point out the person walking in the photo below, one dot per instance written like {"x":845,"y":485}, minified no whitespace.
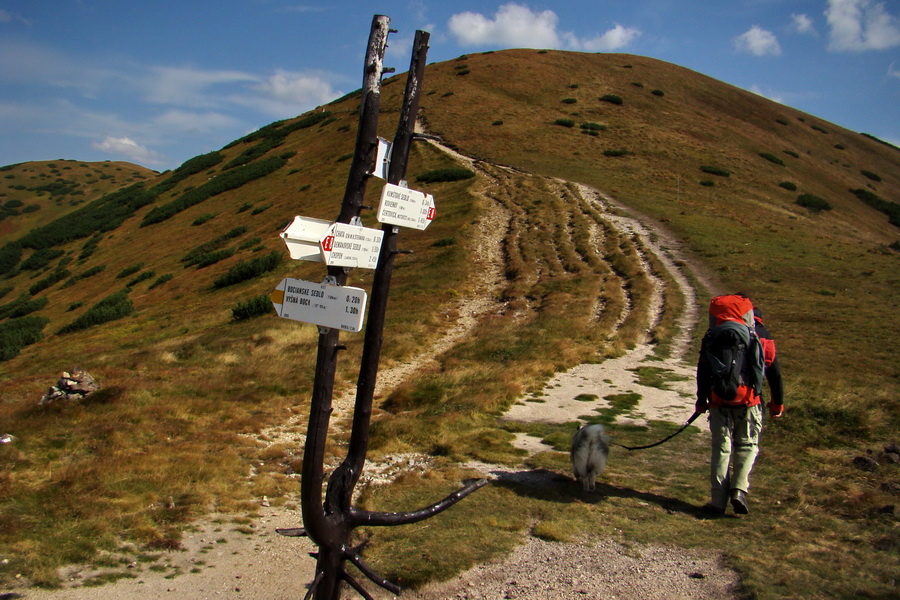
{"x":736,"y":355}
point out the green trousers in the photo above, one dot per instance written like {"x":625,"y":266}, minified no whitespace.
{"x":735,"y":443}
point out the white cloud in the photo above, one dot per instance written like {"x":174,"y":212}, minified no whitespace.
{"x":615,"y":38}
{"x":186,"y":86}
{"x":516,"y":25}
{"x":758,"y":41}
{"x":802,"y":24}
{"x":859,"y":25}
{"x":892,"y":72}
{"x":123,"y":146}
{"x":181,"y":121}
{"x":770,"y":94}
{"x":286,"y":94}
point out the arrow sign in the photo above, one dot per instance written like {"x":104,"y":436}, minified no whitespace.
{"x":322,"y":304}
{"x":351,"y":246}
{"x":303,"y":236}
{"x":405,"y":207}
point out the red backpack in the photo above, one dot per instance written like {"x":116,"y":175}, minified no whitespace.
{"x":733,"y":351}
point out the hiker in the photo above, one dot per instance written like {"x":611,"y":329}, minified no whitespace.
{"x":736,"y":354}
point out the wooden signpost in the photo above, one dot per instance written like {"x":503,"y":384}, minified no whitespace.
{"x":334,"y":307}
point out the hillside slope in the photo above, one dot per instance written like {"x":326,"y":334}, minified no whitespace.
{"x":189,"y":392}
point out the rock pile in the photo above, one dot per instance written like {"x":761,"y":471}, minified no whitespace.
{"x":71,"y":387}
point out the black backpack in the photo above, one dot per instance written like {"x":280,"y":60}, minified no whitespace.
{"x":735,"y":357}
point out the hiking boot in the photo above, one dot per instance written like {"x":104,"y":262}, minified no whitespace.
{"x":739,"y":502}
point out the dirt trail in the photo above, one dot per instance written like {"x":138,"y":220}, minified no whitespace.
{"x":251,"y":562}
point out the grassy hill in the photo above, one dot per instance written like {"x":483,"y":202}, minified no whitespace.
{"x":184,"y":381}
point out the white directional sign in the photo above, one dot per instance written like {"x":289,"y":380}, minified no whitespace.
{"x":351,"y":246}
{"x":335,"y":244}
{"x":303,"y":237}
{"x":322,"y":304}
{"x":405,"y":207}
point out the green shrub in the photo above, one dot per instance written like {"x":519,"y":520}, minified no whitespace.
{"x":84,"y":275}
{"x":194,"y":255}
{"x":569,"y":100}
{"x":211,"y":258}
{"x":41,"y":258}
{"x":90,"y":247}
{"x":615,"y":152}
{"x":891,"y":209}
{"x":792,"y":153}
{"x":255,"y":241}
{"x":564,"y":122}
{"x":253,"y":307}
{"x":103,"y":214}
{"x":223,"y":182}
{"x":161,"y":280}
{"x":659,"y":93}
{"x":593,"y":126}
{"x":772,"y":158}
{"x":203,"y":219}
{"x":447,"y":174}
{"x":245,"y":270}
{"x":782,"y":121}
{"x":612,"y":99}
{"x":18,"y":333}
{"x":112,"y":307}
{"x":10,"y":255}
{"x":497,"y":122}
{"x":195,"y":165}
{"x":141,"y":277}
{"x":22,"y":306}
{"x":814,"y":203}
{"x":130,"y":270}
{"x":54,"y":277}
{"x":789,"y":185}
{"x":463,"y":72}
{"x":716,"y":171}
{"x":871,"y":175}
{"x":707,"y":183}
{"x":819,"y":129}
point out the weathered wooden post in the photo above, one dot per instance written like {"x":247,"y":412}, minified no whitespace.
{"x":329,"y":523}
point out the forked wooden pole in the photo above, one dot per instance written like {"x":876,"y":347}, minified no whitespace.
{"x":330,"y":523}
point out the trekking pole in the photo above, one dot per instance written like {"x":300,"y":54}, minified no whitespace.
{"x":666,"y":439}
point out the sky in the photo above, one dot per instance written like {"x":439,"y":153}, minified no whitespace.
{"x":157,"y":82}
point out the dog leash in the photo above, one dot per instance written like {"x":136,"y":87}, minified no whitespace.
{"x":666,"y":439}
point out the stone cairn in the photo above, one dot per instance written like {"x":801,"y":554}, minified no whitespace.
{"x":71,"y":387}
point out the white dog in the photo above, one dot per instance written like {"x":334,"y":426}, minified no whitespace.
{"x":590,"y":447}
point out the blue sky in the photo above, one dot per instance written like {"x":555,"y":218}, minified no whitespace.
{"x":157,"y":82}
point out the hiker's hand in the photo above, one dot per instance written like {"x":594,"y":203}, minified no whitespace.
{"x":776,"y":410}
{"x":701,"y":406}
